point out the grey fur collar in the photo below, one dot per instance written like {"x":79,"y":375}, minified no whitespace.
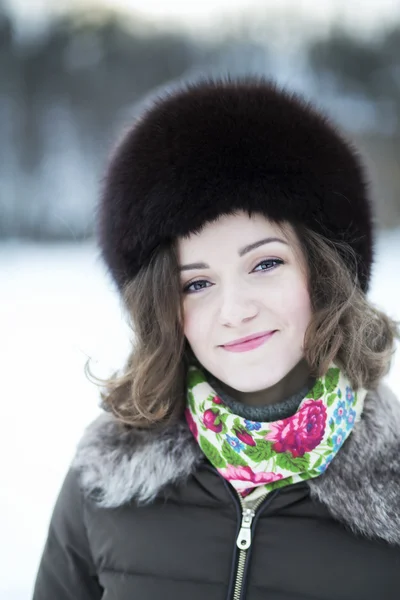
{"x":361,"y":488}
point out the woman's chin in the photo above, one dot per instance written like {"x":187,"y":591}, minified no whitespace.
{"x":249,"y":385}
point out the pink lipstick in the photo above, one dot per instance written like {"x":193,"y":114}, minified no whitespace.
{"x":248,"y":343}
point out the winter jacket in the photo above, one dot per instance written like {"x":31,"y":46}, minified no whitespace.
{"x":143,"y":515}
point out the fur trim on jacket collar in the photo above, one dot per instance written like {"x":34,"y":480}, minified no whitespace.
{"x":361,"y":488}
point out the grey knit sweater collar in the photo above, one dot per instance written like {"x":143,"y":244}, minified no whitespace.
{"x":269,"y":413}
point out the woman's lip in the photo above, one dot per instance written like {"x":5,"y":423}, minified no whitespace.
{"x":248,"y":338}
{"x":250,"y":344}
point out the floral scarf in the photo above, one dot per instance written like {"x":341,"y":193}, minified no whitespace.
{"x":250,"y":454}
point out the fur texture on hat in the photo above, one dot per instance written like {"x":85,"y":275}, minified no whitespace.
{"x":216,"y":146}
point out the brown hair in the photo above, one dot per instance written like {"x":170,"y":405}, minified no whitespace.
{"x":345,"y":327}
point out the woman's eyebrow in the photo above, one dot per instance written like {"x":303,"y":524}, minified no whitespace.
{"x":193,"y":266}
{"x":242,"y":252}
{"x":268,"y":240}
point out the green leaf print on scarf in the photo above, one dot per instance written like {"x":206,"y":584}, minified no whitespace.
{"x":279,"y":484}
{"x":212,"y":453}
{"x":232,"y":457}
{"x":194,"y":377}
{"x":286,"y":461}
{"x":319,"y":462}
{"x":331,"y":379}
{"x":317,"y":391}
{"x":261,"y":451}
{"x":191,"y":402}
{"x":331,"y":399}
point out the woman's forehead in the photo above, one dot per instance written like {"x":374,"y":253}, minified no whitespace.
{"x":236,"y":231}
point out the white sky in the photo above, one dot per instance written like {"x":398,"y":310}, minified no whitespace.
{"x":203,"y":13}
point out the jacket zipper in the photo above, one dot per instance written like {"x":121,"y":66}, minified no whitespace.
{"x":243,"y":541}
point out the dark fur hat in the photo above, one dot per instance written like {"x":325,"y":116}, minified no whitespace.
{"x":215,"y":146}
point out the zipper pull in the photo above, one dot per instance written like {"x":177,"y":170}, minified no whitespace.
{"x":244,"y":538}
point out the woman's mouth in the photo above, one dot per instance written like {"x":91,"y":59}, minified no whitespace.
{"x":249,"y":342}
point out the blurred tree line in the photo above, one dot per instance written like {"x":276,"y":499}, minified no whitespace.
{"x":64,"y":96}
{"x":366,"y":73}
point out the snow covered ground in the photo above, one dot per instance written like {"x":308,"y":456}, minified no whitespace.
{"x":57,"y":309}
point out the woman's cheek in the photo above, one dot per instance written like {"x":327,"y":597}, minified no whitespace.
{"x":303,"y":313}
{"x":196,"y":329}
{"x":190,"y":322}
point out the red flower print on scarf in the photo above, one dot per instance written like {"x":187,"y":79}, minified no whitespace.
{"x":247,"y":476}
{"x":302,"y":432}
{"x":217,"y":400}
{"x":244,"y":436}
{"x":209,"y":419}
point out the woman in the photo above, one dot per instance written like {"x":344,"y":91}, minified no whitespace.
{"x":249,"y":448}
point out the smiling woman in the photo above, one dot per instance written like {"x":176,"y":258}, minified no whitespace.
{"x":253,"y":280}
{"x":250,"y":416}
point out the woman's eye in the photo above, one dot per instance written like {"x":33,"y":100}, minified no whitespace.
{"x":195,"y":286}
{"x":201,"y":284}
{"x":269,"y":264}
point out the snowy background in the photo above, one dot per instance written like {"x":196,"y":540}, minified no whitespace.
{"x":58,"y":308}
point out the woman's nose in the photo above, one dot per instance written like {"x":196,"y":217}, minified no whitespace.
{"x":236,"y":308}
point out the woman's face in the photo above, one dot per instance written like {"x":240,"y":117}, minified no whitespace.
{"x":243,"y":277}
